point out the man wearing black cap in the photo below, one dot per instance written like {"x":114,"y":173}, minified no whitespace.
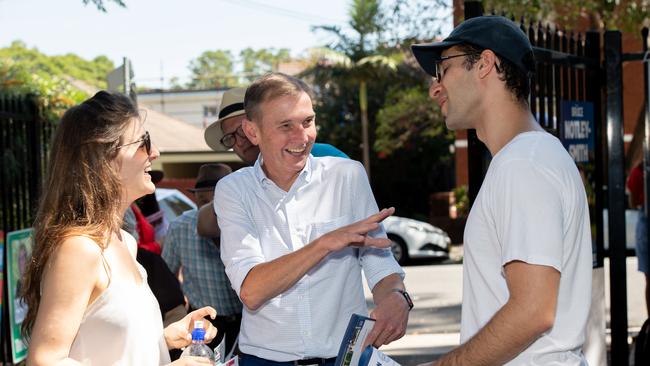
{"x":527,"y":252}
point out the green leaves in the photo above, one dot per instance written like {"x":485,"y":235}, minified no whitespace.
{"x":262,"y":61}
{"x":217,"y":68}
{"x":212,"y":69}
{"x":100,"y":3}
{"x":28,"y":71}
{"x":628,"y":16}
{"x":408,"y":117}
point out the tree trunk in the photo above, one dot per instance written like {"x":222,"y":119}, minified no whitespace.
{"x":363,"y":101}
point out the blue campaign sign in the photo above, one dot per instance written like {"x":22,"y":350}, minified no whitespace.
{"x":578,"y":127}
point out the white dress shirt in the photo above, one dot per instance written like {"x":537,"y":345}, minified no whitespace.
{"x":260,"y":222}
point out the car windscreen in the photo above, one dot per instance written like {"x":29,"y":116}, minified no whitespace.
{"x":172,"y":206}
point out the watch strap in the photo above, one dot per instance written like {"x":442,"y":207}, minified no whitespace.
{"x":406,"y":295}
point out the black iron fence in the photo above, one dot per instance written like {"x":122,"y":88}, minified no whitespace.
{"x":23,"y":136}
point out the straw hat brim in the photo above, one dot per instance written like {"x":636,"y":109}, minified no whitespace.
{"x":213,"y":133}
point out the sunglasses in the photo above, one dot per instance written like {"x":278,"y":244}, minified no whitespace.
{"x":228,"y":140}
{"x":145,"y":142}
{"x":439,"y":71}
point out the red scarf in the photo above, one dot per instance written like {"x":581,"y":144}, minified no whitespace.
{"x":146,"y":232}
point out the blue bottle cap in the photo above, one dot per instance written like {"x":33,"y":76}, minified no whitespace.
{"x":198,"y":334}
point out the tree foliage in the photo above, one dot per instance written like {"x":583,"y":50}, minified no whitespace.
{"x":628,"y":15}
{"x":212,"y":69}
{"x":408,"y":117}
{"x":24,"y":70}
{"x":408,"y":21}
{"x":33,"y":61}
{"x":216,"y":68}
{"x":262,"y":61}
{"x":410,"y":143}
{"x":100,"y":4}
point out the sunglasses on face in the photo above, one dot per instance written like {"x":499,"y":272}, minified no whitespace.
{"x":145,"y":142}
{"x":228,"y":140}
{"x":439,"y":71}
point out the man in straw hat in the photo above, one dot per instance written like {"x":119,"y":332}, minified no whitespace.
{"x":226,"y":133}
{"x":296,"y":233}
{"x":198,"y":259}
{"x":527,"y":243}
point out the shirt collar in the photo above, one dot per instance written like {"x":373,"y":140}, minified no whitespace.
{"x":305,"y":174}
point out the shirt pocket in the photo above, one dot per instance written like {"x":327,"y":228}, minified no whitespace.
{"x":320,"y":228}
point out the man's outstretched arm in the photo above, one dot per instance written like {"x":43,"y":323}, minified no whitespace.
{"x":267,"y":280}
{"x":528,"y":313}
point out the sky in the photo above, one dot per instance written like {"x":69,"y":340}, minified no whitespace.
{"x":161,"y":37}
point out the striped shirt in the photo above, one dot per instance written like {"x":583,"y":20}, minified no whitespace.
{"x":260,"y":222}
{"x":204,"y":279}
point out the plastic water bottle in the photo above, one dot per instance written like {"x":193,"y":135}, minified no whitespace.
{"x":198,"y":348}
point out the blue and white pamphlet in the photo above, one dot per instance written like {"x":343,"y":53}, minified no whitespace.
{"x":374,"y":357}
{"x":351,"y":352}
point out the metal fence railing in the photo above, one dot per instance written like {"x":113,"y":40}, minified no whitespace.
{"x":23,"y":136}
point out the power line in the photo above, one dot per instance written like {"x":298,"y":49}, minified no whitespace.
{"x":282,"y":11}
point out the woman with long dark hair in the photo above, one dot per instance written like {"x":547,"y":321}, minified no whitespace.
{"x":87,"y":297}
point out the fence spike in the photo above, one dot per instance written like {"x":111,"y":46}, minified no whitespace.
{"x":531,"y":32}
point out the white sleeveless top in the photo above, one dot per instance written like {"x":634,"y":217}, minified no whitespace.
{"x":123,"y":326}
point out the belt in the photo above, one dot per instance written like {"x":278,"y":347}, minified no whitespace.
{"x":303,"y":362}
{"x":313,"y":361}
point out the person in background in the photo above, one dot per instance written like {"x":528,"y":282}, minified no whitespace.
{"x":149,"y":207}
{"x":198,"y":260}
{"x":87,"y":298}
{"x":226,"y":133}
{"x":637,"y":200}
{"x":527,"y":242}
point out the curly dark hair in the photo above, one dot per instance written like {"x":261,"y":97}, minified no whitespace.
{"x":517,"y":81}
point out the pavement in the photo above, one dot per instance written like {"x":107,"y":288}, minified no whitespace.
{"x":434,"y":323}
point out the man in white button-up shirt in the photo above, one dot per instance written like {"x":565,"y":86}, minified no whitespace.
{"x":296,"y":231}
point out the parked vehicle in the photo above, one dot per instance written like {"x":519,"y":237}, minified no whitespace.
{"x":173,"y":202}
{"x":413,"y":239}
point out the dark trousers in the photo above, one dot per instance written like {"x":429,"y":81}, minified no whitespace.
{"x":250,"y":360}
{"x":227,"y":326}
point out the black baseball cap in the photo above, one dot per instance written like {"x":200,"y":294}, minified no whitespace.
{"x":493,"y":32}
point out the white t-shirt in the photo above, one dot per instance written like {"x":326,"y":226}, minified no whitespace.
{"x":532,"y":207}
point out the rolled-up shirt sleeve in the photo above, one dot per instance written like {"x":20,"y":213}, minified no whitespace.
{"x":240,"y":244}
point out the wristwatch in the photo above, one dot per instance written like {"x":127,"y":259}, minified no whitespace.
{"x":407,"y":297}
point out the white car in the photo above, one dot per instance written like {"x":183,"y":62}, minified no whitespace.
{"x":413,"y":239}
{"x":173,"y":202}
{"x":410,"y":238}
